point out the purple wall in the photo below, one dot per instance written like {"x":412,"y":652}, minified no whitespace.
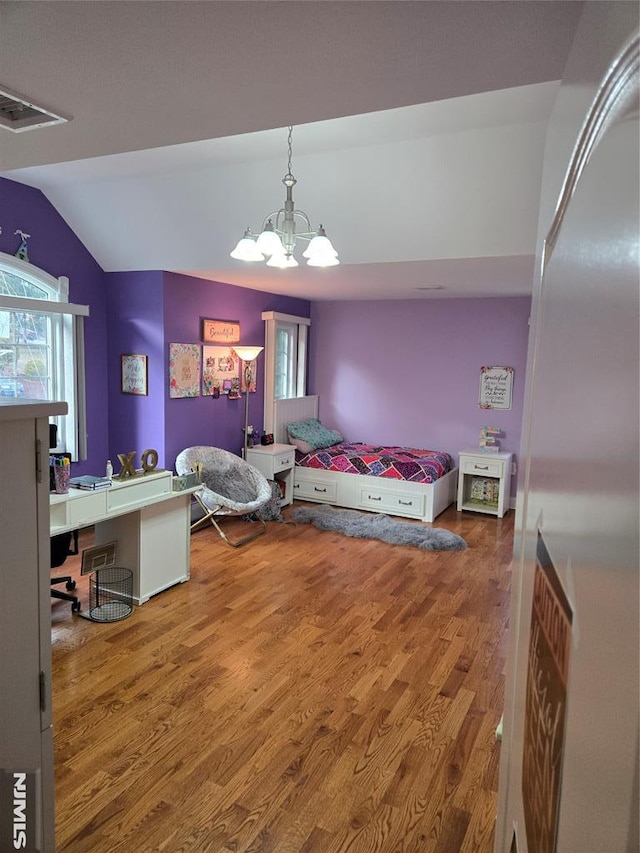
{"x":203,"y":420}
{"x":134,"y":320}
{"x":409,"y":372}
{"x":54,"y":247}
{"x":143,"y":312}
{"x":390,"y":372}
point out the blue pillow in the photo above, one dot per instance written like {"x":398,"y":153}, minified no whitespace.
{"x":314,"y":433}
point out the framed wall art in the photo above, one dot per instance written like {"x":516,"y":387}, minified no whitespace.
{"x":220,"y":331}
{"x":496,"y":387}
{"x":134,"y":374}
{"x":249,"y":377}
{"x":184,"y":370}
{"x":220,"y":370}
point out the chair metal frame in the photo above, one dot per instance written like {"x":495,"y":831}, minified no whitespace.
{"x":218,"y":512}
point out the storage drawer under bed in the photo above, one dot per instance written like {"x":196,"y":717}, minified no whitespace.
{"x":392,"y":502}
{"x":315,"y":490}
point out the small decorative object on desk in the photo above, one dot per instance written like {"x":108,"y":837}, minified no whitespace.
{"x":89,"y":483}
{"x":184,"y":481}
{"x":109,"y":470}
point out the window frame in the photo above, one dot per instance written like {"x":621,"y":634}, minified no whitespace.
{"x":297,"y":328}
{"x":67,"y":346}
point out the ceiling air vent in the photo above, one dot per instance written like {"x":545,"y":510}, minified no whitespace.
{"x":17,"y":113}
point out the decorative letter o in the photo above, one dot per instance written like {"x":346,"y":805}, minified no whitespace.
{"x":146,"y":465}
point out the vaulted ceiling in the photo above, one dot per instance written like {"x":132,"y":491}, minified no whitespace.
{"x":418,"y":140}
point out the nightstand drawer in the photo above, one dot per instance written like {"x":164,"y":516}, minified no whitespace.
{"x":483,"y":467}
{"x":283,"y":461}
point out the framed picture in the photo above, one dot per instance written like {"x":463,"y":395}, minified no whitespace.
{"x":249,"y":377}
{"x":220,"y":368}
{"x":134,"y":374}
{"x":220,"y":331}
{"x":184,"y":370}
{"x":496,"y":386}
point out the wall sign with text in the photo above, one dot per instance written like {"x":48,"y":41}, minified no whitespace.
{"x":220,"y":331}
{"x":134,"y":374}
{"x":496,"y":387}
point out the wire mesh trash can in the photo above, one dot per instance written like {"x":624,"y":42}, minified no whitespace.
{"x":110,"y":594}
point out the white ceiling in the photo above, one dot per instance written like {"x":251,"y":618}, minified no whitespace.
{"x":418,"y":141}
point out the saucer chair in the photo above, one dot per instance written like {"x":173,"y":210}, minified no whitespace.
{"x":230,"y":487}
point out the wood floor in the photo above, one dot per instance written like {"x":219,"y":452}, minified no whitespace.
{"x":306,"y":693}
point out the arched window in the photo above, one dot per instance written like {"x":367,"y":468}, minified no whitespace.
{"x":42,"y":346}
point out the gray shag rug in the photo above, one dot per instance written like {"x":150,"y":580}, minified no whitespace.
{"x":366,"y":525}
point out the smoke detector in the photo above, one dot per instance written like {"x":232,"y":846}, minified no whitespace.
{"x":18,"y":113}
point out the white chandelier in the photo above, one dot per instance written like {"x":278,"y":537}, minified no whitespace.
{"x":277,"y":239}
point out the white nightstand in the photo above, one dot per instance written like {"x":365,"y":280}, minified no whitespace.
{"x":484,"y":482}
{"x":276,"y":462}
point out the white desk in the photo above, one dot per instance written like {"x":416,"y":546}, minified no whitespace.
{"x":149,"y":522}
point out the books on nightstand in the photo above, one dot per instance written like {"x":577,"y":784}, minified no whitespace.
{"x":90,"y":483}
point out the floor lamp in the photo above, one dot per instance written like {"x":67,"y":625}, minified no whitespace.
{"x":247,"y":355}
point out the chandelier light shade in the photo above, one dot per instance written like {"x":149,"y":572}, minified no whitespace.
{"x":277,"y":240}
{"x":246,"y":250}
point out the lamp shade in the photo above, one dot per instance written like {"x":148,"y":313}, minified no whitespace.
{"x":248,"y":353}
{"x":269,"y":243}
{"x":282,"y":261}
{"x":246,"y":250}
{"x":323,"y":261}
{"x":320,"y":247}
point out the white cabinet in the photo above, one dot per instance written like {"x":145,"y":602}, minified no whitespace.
{"x":484,"y":482}
{"x":153,"y":542}
{"x":276,"y":462}
{"x":26,"y":736}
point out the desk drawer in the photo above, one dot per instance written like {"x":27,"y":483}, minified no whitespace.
{"x":398,"y":503}
{"x":137,"y":490}
{"x":75,"y":509}
{"x":483,"y":467}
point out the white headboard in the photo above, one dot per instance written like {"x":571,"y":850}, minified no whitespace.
{"x":288,"y":411}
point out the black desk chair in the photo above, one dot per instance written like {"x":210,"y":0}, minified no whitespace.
{"x":60,"y":550}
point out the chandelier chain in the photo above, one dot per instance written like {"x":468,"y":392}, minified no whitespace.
{"x":289,"y":141}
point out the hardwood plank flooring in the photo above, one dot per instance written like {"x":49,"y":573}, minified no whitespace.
{"x":306,"y":693}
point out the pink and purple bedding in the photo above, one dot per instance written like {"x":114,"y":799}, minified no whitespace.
{"x":395,"y":463}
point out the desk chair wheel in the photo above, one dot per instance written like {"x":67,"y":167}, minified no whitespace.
{"x":71,"y":585}
{"x":76,"y":607}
